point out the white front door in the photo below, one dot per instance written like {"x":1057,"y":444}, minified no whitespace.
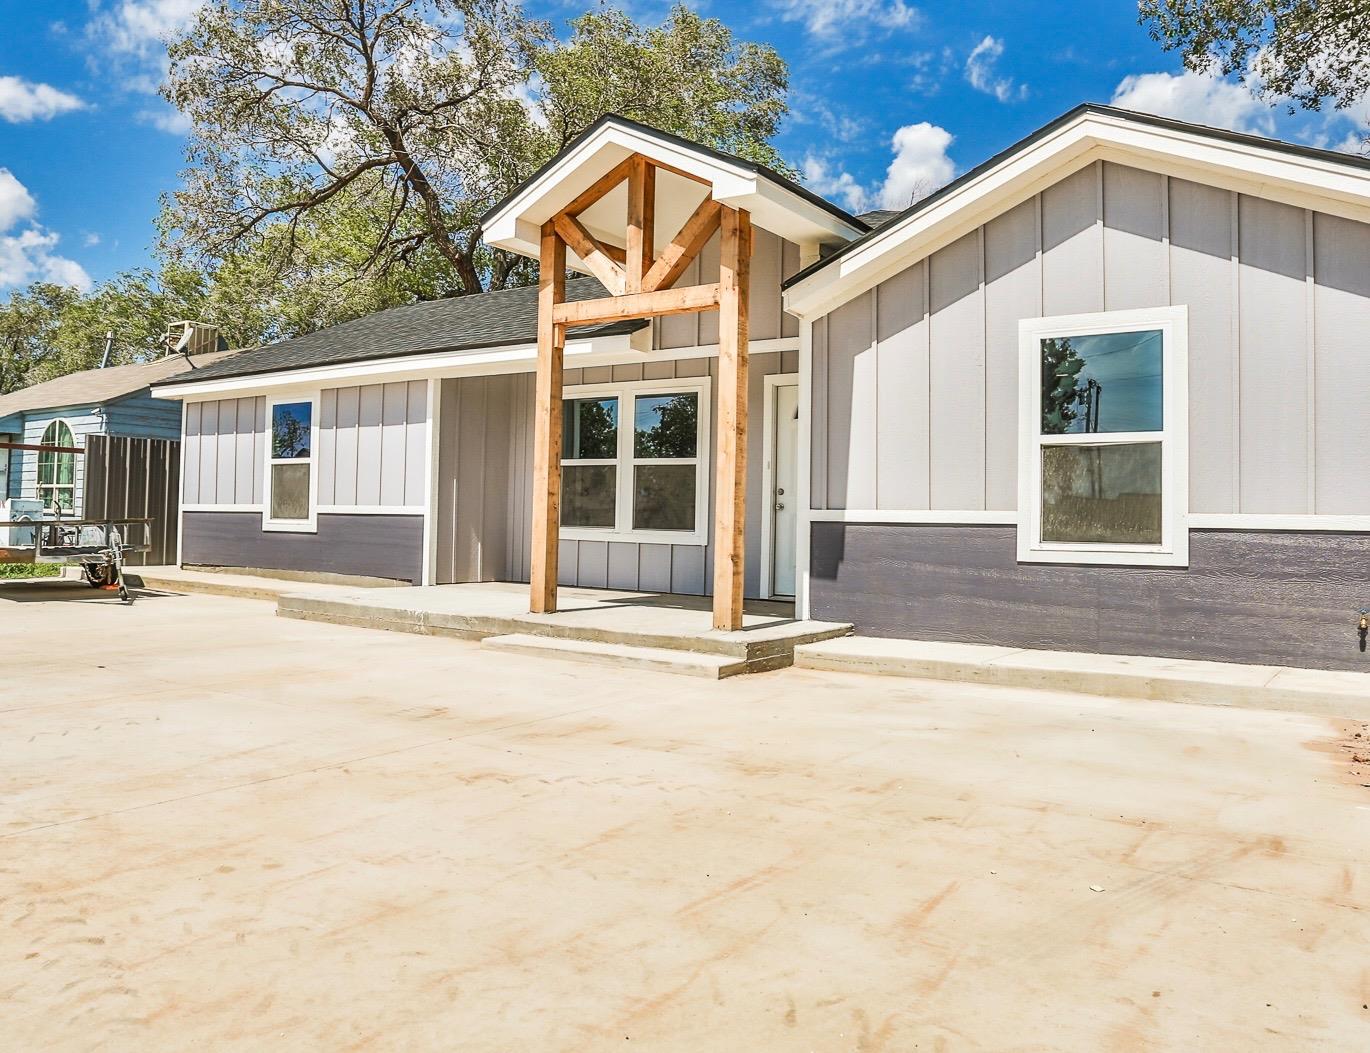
{"x":784,"y":489}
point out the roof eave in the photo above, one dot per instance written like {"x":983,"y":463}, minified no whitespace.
{"x":1336,"y":183}
{"x":776,"y":203}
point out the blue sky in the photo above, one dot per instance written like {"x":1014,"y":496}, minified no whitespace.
{"x":889,"y":99}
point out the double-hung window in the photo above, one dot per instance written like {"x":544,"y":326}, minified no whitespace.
{"x":290,"y":477}
{"x":1103,"y":459}
{"x":634,"y":464}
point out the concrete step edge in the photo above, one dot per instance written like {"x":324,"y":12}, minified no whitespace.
{"x":1119,"y":676}
{"x":687,"y":663}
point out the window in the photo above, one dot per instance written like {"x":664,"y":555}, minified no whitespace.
{"x":631,"y":464}
{"x":1103,"y":463}
{"x":290,"y":467}
{"x":57,"y":471}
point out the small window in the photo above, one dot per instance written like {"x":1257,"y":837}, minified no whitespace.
{"x":57,"y":470}
{"x":631,"y":464}
{"x":1103,"y":463}
{"x":290,"y":468}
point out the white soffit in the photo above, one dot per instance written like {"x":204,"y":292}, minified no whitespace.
{"x":516,"y":224}
{"x":1250,"y":168}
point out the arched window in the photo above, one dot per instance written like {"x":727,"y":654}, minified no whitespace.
{"x":57,"y":471}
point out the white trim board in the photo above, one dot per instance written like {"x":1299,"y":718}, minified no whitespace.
{"x":770,"y":383}
{"x":1255,"y":522}
{"x":515,"y":358}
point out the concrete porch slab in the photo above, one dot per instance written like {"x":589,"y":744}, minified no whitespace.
{"x":605,"y":616}
{"x":1325,"y":693}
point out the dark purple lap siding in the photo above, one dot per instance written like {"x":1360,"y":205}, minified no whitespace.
{"x":1254,"y":597}
{"x":372,"y":546}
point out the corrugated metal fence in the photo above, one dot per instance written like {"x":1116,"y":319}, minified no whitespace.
{"x":136,"y":478}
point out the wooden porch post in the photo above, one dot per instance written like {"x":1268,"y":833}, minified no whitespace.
{"x":547,"y":425}
{"x":730,"y":499}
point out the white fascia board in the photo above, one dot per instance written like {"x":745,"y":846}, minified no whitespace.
{"x":1248,"y":168}
{"x":516,"y":227}
{"x":409,"y":367}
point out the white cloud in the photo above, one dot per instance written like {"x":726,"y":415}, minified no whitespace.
{"x":16,"y":202}
{"x":1196,"y":97}
{"x":919,"y":167}
{"x":166,"y":119}
{"x":854,"y":18}
{"x":982,"y":75}
{"x":91,"y":240}
{"x":835,"y":186}
{"x":27,"y":256}
{"x":139,"y":27}
{"x":22,"y":100}
{"x":920,"y":164}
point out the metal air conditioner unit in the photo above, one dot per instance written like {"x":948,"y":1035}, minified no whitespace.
{"x":22,"y":510}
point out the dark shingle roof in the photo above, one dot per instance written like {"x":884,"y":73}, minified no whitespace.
{"x":462,"y":323}
{"x":878,"y":217}
{"x":91,"y":387}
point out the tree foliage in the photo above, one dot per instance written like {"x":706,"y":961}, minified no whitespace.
{"x":425,"y":113}
{"x":343,"y":151}
{"x":1309,"y":52}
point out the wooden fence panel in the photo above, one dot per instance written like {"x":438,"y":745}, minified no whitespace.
{"x":136,"y":478}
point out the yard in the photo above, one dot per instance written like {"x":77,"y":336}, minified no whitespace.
{"x":224,"y":830}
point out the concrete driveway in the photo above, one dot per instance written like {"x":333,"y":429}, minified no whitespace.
{"x":224,"y":830}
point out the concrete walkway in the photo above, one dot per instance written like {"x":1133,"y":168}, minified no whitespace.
{"x":1315,"y":691}
{"x":224,"y":830}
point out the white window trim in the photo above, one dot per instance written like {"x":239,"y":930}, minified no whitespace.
{"x":1173,"y":551}
{"x":39,"y":486}
{"x":624,"y":462}
{"x":293,"y":526}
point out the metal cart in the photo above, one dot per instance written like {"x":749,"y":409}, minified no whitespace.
{"x":97,"y":546}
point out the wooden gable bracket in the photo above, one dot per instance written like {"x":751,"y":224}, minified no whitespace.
{"x":640,"y":286}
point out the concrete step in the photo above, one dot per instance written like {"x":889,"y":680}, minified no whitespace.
{"x":660,"y":659}
{"x":1314,"y":691}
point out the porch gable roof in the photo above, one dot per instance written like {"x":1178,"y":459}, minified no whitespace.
{"x":775,"y":202}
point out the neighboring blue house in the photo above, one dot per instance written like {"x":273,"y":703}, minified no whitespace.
{"x":111,"y":401}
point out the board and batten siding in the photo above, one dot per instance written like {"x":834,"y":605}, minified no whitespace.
{"x":773,"y":261}
{"x":915,"y":382}
{"x":485,"y":485}
{"x":371,"y":448}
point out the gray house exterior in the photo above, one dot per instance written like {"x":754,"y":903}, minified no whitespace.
{"x":1109,"y":392}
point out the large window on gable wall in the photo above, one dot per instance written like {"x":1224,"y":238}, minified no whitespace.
{"x":633,"y":464}
{"x":1102,"y":438}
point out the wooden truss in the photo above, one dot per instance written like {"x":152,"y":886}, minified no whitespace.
{"x":641,"y":285}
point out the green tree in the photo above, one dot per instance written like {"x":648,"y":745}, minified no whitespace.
{"x":29,"y":323}
{"x":422,"y":114}
{"x":1061,"y":366}
{"x":1309,"y":52}
{"x":688,"y":76}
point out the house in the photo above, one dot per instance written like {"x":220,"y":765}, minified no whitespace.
{"x":114,"y":401}
{"x":1107,"y":391}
